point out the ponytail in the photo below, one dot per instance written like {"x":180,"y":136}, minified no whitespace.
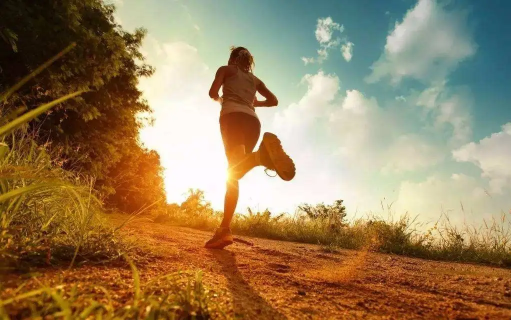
{"x":242,"y":58}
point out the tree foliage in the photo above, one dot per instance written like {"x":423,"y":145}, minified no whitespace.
{"x":334,"y":213}
{"x":196,"y":204}
{"x":138,"y":191}
{"x":97,"y":133}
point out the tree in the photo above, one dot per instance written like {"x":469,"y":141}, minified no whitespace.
{"x":141,"y":190}
{"x":335,"y":214}
{"x":97,"y":133}
{"x":196,"y":204}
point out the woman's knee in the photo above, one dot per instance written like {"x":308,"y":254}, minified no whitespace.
{"x":234,"y":175}
{"x":232,"y":185}
{"x":236,"y":155}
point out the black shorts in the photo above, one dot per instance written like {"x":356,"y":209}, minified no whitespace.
{"x":239,"y":128}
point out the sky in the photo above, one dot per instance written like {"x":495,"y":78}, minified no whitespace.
{"x":400,"y":102}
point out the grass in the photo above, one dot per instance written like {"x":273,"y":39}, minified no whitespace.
{"x":488,"y":244}
{"x":51,"y":216}
{"x":180,"y":295}
{"x":48,"y":214}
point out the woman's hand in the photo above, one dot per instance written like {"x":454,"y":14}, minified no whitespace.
{"x":218,"y":99}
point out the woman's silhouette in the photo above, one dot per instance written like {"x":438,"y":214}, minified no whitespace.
{"x":240,"y":128}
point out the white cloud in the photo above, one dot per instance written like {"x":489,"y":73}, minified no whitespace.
{"x":325,"y":30}
{"x":183,"y":73}
{"x":347,"y":51}
{"x":450,"y":108}
{"x":117,"y":19}
{"x":307,"y":60}
{"x":429,"y":43}
{"x":350,"y":139}
{"x":411,"y":152}
{"x":322,"y":55}
{"x":303,"y":128}
{"x":377,"y":139}
{"x":353,"y":129}
{"x":493,"y":156}
{"x":118,"y":3}
{"x":321,"y":90}
{"x":189,"y":17}
{"x":461,"y":197}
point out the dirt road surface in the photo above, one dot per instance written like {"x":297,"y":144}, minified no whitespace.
{"x":265,"y":279}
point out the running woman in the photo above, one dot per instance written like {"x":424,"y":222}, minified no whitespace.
{"x":240,"y":129}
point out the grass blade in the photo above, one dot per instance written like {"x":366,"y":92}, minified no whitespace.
{"x":5,"y":95}
{"x":20,"y":191}
{"x":90,"y":309}
{"x":136,"y":280}
{"x":22,"y":296}
{"x":11,"y":126}
{"x":62,"y":303}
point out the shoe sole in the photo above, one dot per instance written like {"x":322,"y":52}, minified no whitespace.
{"x":219,"y":244}
{"x":284,"y":165}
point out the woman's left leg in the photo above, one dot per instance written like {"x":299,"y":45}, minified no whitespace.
{"x":240,"y":134}
{"x":232,"y":186}
{"x":241,"y":161}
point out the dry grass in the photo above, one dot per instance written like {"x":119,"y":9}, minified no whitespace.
{"x":487,"y":244}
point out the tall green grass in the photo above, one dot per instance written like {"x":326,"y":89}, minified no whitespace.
{"x":46,"y":213}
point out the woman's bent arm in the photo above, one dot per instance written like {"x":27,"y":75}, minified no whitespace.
{"x":271,"y":99}
{"x":217,"y":83}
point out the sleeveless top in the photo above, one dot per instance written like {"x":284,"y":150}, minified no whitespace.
{"x":238,"y":93}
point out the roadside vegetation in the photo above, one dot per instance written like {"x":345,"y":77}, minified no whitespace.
{"x":328,"y":226}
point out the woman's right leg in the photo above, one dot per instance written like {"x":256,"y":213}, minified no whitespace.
{"x":249,"y":130}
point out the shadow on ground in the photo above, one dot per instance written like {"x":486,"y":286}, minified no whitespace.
{"x":248,"y":303}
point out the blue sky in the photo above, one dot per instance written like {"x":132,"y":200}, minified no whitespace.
{"x":401,"y":100}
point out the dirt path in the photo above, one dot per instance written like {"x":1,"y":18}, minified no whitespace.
{"x":267,"y":279}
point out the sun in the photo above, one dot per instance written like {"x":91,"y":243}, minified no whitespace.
{"x":192,"y":155}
